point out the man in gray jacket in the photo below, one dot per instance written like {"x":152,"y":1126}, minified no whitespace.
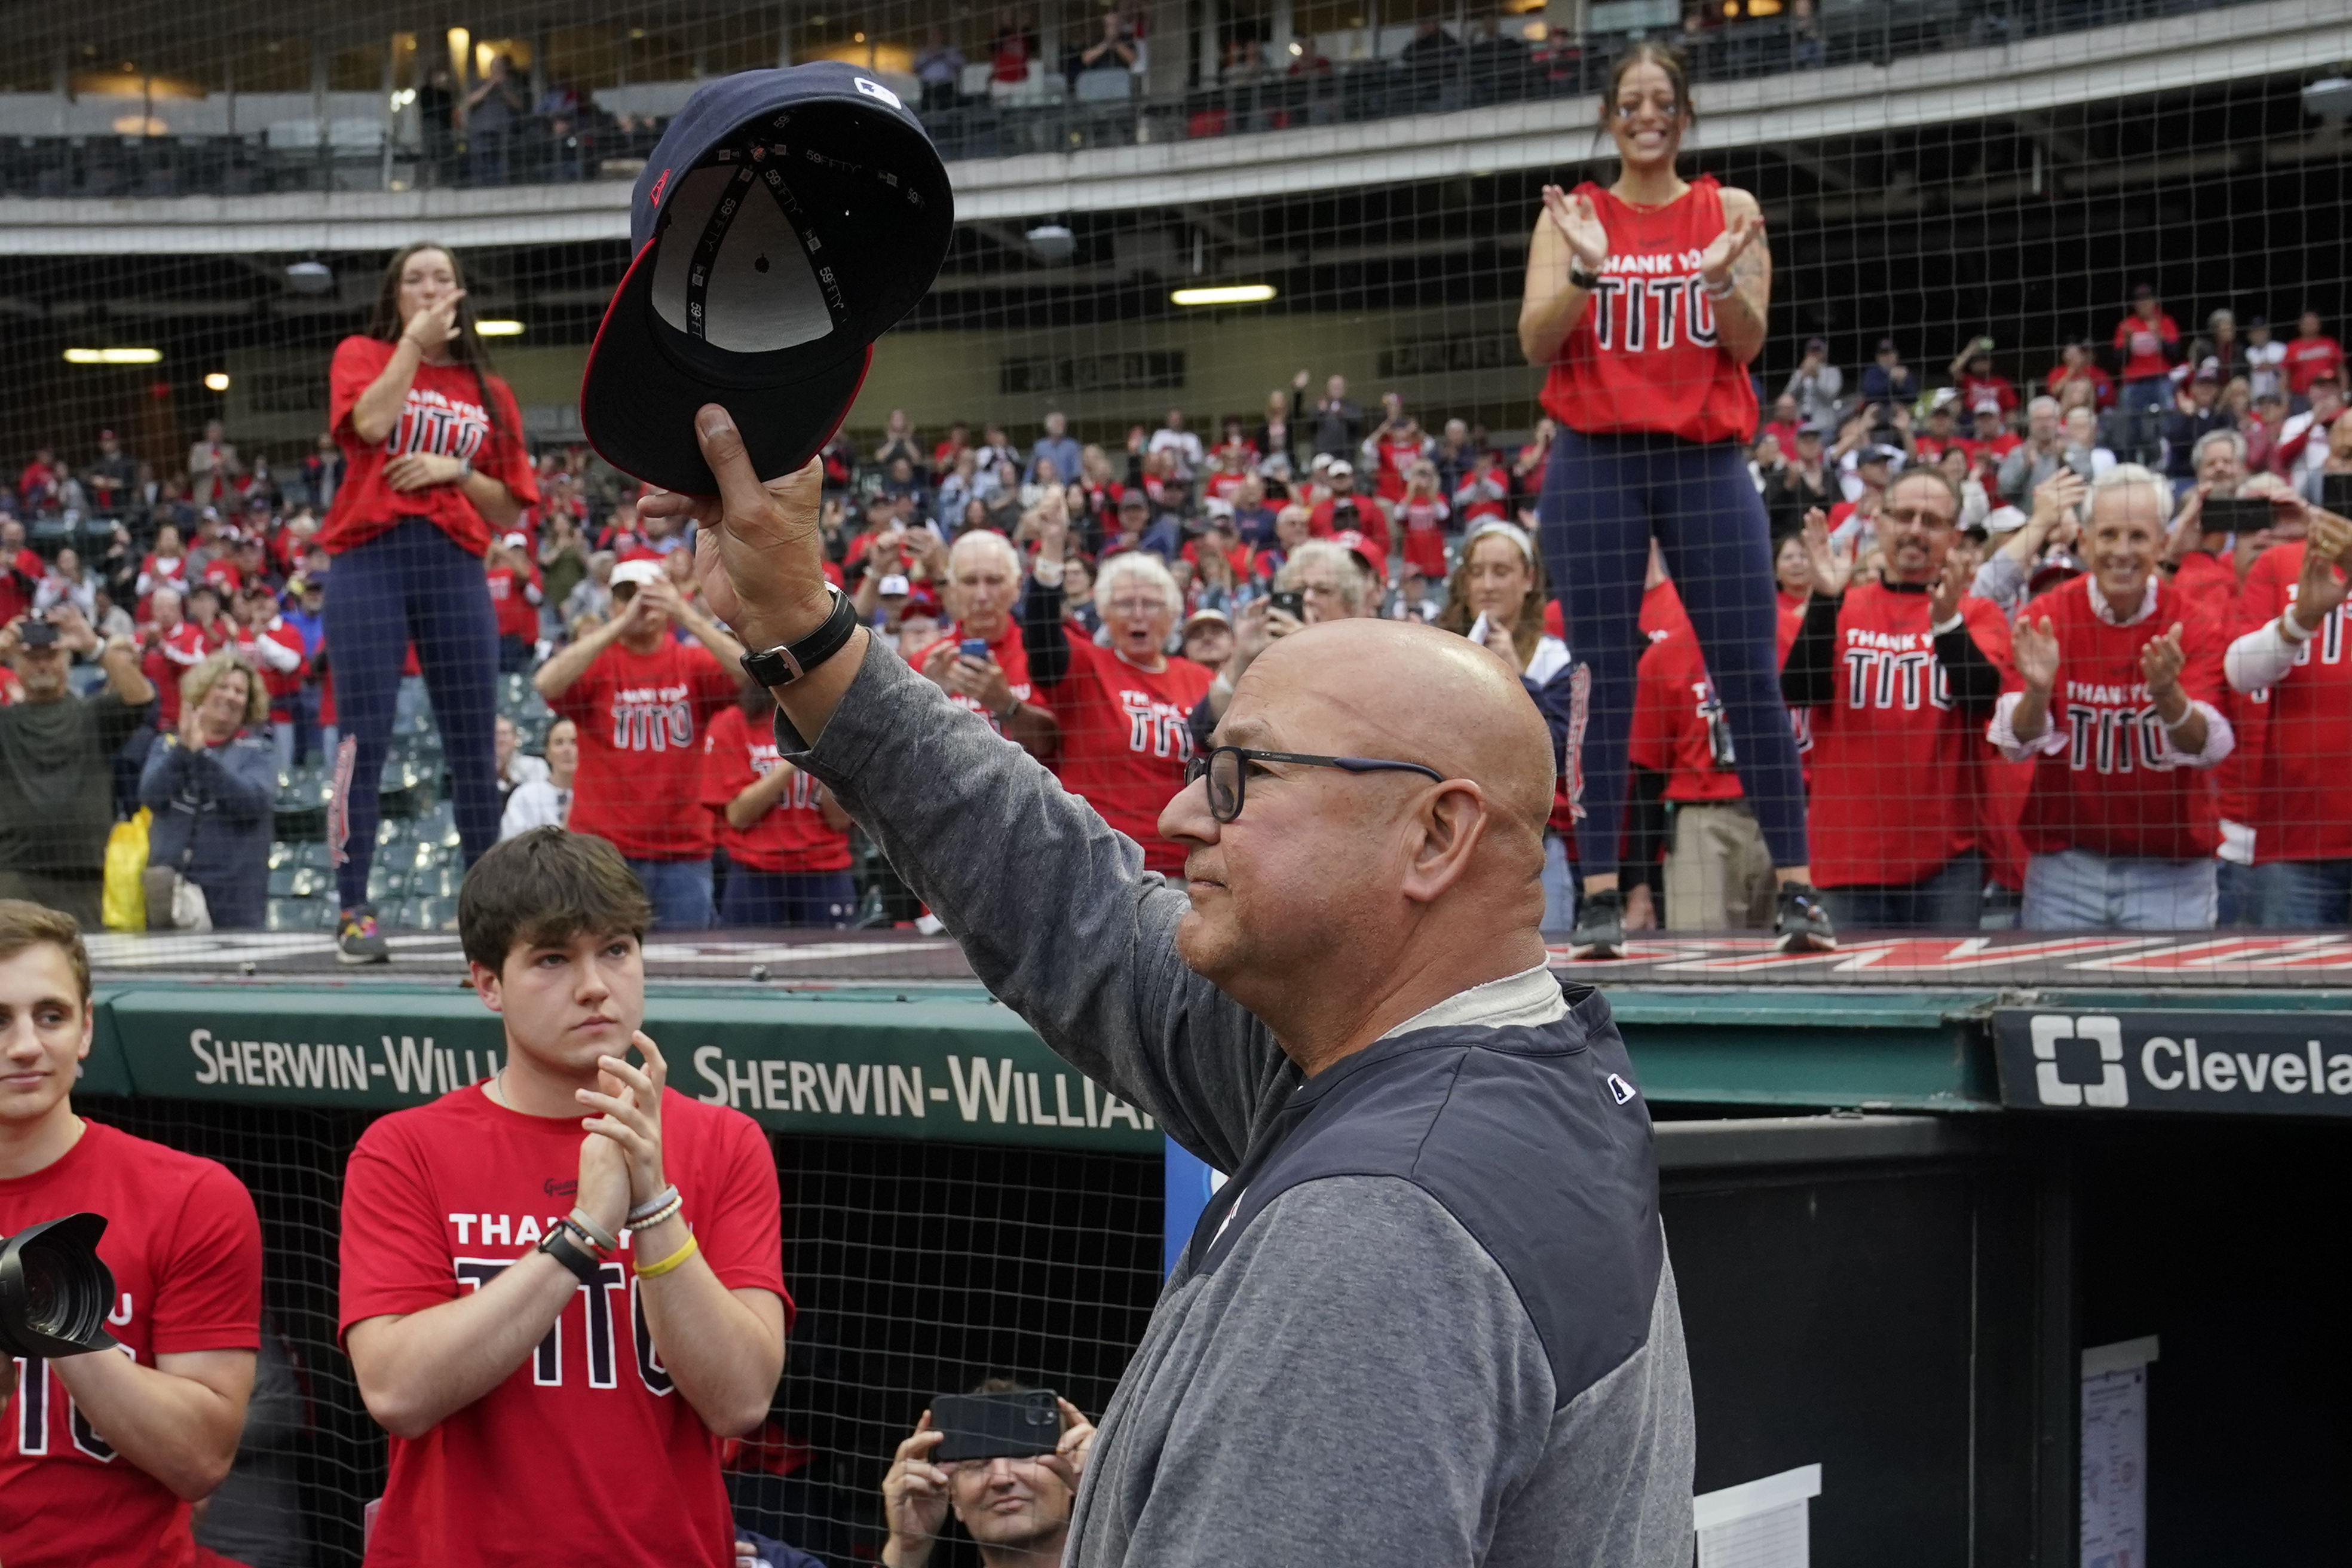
{"x":1429,"y":1318}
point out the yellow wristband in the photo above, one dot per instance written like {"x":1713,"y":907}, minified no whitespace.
{"x":656,"y":1270}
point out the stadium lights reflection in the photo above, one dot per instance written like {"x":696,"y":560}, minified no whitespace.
{"x":217,"y":380}
{"x":114,"y":356}
{"x":1231,"y":294}
{"x":499,"y":329}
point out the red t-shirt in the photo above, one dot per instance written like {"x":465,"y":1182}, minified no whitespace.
{"x":2308,"y":359}
{"x":1673,"y":702}
{"x":1008,"y":652}
{"x":512,"y":601}
{"x":437,"y":1200}
{"x":2143,"y":345}
{"x":1372,"y":520}
{"x":1424,"y":519}
{"x":1126,"y":737}
{"x":640,"y":719}
{"x":1996,"y":384}
{"x":1644,"y":356}
{"x":282,"y":687}
{"x":1894,"y":763}
{"x":2107,"y":791}
{"x":176,"y":653}
{"x":2298,"y":798}
{"x":1396,"y":461}
{"x":16,"y":580}
{"x":186,"y":1250}
{"x":444,"y":416}
{"x":794,"y":837}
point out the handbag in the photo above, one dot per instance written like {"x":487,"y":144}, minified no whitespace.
{"x":173,"y":902}
{"x":123,"y":897}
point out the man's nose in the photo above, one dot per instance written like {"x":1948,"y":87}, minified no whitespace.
{"x":1186,"y":818}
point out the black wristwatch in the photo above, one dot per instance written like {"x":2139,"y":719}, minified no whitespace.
{"x":782,"y":665}
{"x":558,"y":1244}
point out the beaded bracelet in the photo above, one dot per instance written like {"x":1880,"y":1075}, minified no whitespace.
{"x":654,"y":1204}
{"x":675,"y":1203}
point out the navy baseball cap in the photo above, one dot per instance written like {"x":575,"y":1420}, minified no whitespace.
{"x":786,"y":219}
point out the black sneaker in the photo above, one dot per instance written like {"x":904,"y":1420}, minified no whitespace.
{"x":1803,"y":926}
{"x":357,"y":941}
{"x":1599,"y":926}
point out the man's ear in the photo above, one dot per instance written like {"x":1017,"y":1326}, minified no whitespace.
{"x":487,"y":986}
{"x":1452,"y":820}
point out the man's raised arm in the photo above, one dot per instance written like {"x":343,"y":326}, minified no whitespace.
{"x":1050,"y":905}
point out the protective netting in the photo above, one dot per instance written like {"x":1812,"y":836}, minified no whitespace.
{"x":1306,"y":229}
{"x":917,"y":1270}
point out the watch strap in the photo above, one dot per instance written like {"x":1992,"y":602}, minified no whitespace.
{"x":782,"y":665}
{"x":558,"y":1244}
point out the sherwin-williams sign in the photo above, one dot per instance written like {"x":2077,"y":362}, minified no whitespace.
{"x":961,"y":1069}
{"x":2285,"y":1064}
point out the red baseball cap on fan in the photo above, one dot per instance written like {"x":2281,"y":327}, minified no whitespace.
{"x":786,"y":219}
{"x":1365,"y":551}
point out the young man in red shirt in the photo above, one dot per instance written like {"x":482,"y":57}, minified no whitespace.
{"x":2300,"y":793}
{"x":787,"y":840}
{"x":983,"y":587}
{"x":276,"y":649}
{"x":2146,"y":343}
{"x":2312,"y":354}
{"x":515,"y":599}
{"x":551,"y":1377}
{"x":1899,"y":676}
{"x":641,"y":698}
{"x":2121,"y":684}
{"x":102,"y":1454}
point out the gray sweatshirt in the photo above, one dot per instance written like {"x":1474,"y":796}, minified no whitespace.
{"x":1429,"y":1321}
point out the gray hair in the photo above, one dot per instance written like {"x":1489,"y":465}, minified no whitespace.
{"x":2237,"y":444}
{"x":2131,"y":476}
{"x":2041,"y":406}
{"x":1354,"y":581}
{"x":985,"y":539}
{"x":1142,"y":567}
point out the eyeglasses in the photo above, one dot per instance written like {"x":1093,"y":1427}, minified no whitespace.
{"x":1905,"y":516}
{"x":1224,"y":767}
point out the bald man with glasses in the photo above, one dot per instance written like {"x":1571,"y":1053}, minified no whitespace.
{"x":1430,"y":1319}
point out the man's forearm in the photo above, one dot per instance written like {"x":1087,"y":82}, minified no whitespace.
{"x":724,"y":1356}
{"x":714,"y":637}
{"x":760,"y":797}
{"x":416,"y":1371}
{"x":126,"y":680}
{"x":556,"y":676}
{"x":179,"y":1430}
{"x":2031,"y":720}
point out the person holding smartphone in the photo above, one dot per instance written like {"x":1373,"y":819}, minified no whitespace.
{"x":1015,"y":1506}
{"x":979,"y":661}
{"x":1647,"y":374}
{"x":433,"y":461}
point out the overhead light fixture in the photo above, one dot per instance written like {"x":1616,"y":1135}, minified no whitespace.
{"x":309,"y":276}
{"x":217,"y":380}
{"x":1228,"y":294}
{"x":114,"y":356}
{"x":1051,"y":242}
{"x":499,"y":329}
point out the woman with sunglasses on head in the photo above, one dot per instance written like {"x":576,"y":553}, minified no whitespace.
{"x":1646,"y":303}
{"x":434,"y":469}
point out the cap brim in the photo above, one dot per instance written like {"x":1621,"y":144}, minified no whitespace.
{"x":637,"y":403}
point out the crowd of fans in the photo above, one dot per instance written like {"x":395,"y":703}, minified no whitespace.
{"x":1093,"y":602}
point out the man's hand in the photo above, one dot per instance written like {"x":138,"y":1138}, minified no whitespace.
{"x":758,"y":551}
{"x":2160,"y":663}
{"x":915,"y":1497}
{"x":1833,"y":568}
{"x":1951,"y":586}
{"x":1298,"y":383}
{"x":2055,"y":497}
{"x":2035,"y":651}
{"x":1068,"y":1459}
{"x":630,"y":1099}
{"x":2321,"y":587}
{"x":74,"y":633}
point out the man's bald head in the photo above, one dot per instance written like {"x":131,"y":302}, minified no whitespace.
{"x":1333,"y":889}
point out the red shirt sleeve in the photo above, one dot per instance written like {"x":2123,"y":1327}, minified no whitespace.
{"x":357,"y":362}
{"x":508,"y":462}
{"x":726,"y":761}
{"x":2264,"y":597}
{"x":2205,"y":641}
{"x":395,"y":1259}
{"x":740,"y":1223}
{"x":715,"y":686}
{"x":208,"y":1291}
{"x":583,"y":697}
{"x":1652,"y":744}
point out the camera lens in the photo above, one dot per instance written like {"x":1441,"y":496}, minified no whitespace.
{"x":40,"y":1292}
{"x":63,"y":1295}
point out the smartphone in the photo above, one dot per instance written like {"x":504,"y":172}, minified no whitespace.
{"x":2335,"y":493}
{"x":996,"y":1426}
{"x":1290,"y":602}
{"x":2234,"y":514}
{"x":974,"y":648}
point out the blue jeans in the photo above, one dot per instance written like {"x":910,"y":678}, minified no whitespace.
{"x":2305,"y":895}
{"x":1951,"y":899}
{"x":822,"y":899}
{"x":2234,"y":888}
{"x":2139,"y":418}
{"x":1605,"y":498}
{"x":2076,"y":889}
{"x":1560,"y":889}
{"x":413,"y":584}
{"x":680,"y":891}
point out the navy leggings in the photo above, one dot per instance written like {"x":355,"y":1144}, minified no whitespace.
{"x":1604,"y":497}
{"x":413,"y":584}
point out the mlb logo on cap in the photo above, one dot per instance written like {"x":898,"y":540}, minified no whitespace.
{"x":786,"y":219}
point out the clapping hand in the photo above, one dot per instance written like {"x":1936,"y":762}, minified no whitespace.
{"x":1832,"y":567}
{"x":2160,"y":662}
{"x":1740,"y":231}
{"x":2321,"y":588}
{"x":2035,"y":649}
{"x":1578,"y":225}
{"x":1951,"y":586}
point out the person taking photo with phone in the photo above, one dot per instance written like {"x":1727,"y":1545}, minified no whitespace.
{"x":979,"y":661}
{"x":1014,"y":1505}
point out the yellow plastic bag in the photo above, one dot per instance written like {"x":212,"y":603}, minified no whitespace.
{"x":123,"y":900}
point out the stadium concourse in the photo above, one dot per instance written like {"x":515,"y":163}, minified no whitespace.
{"x":1973,"y":1215}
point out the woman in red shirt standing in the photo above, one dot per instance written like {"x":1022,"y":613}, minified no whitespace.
{"x":434,"y":462}
{"x":1646,"y":302}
